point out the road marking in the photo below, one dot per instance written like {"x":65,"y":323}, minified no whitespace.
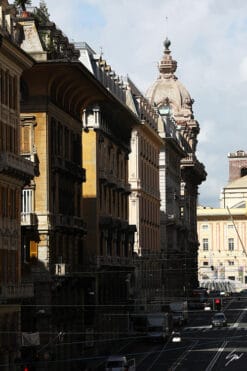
{"x":216,"y":357}
{"x":159,"y":355}
{"x":233,"y":357}
{"x":237,"y":322}
{"x":182,"y":357}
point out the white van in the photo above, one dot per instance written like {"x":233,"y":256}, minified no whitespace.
{"x":119,"y":363}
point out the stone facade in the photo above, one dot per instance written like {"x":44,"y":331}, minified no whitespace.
{"x":222,"y":256}
{"x":55,"y":92}
{"x":144,"y":201}
{"x":15,"y":172}
{"x":110,"y":237}
{"x":180,"y":175}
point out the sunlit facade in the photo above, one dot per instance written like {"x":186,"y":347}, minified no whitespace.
{"x":222,"y":232}
{"x":15,"y":172}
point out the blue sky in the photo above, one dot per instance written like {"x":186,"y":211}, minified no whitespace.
{"x":209,"y":42}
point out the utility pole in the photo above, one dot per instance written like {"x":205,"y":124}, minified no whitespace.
{"x":243,"y":247}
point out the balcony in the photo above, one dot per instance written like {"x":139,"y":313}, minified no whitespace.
{"x":112,"y":179}
{"x":24,"y":290}
{"x":69,"y":221}
{"x":102,"y":175}
{"x":121,"y":184}
{"x":127,"y":189}
{"x":61,"y":269}
{"x":29,"y":219}
{"x":113,"y":261}
{"x":16,"y":165}
{"x":69,"y":167}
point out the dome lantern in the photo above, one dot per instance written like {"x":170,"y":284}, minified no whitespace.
{"x":167,"y":65}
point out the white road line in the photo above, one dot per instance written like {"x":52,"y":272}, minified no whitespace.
{"x":182,"y":357}
{"x":216,"y":356}
{"x":237,"y":322}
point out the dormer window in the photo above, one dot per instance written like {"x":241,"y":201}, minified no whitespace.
{"x":165,"y":110}
{"x":243,"y":171}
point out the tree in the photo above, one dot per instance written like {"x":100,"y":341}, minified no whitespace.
{"x":22,"y":3}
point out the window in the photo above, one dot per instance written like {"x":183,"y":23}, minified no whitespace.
{"x":205,"y":263}
{"x":243,"y":171}
{"x":230,"y":226}
{"x":205,"y":227}
{"x":231,"y":262}
{"x":232,"y":278}
{"x":205,"y":244}
{"x":25,"y":139}
{"x":230,"y":244}
{"x":27,"y":201}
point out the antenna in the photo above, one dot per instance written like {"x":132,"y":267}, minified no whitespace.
{"x":166,"y":26}
{"x":235,"y":227}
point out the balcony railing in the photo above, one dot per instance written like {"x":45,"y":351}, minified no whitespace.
{"x":69,"y":167}
{"x":114,"y":260}
{"x":12,"y":163}
{"x":24,"y":290}
{"x":61,"y":220}
{"x":29,"y":219}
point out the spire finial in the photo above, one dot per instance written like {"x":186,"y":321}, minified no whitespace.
{"x":167,"y":65}
{"x":167,"y":43}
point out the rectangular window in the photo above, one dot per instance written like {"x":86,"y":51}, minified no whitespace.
{"x":25,"y":139}
{"x":205,"y":244}
{"x":205,"y":227}
{"x":27,"y":201}
{"x":33,"y":249}
{"x":231,"y":262}
{"x":230,"y":226}
{"x":205,"y":263}
{"x":230,"y":244}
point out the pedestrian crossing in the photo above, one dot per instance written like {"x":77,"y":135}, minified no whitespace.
{"x":231,"y":327}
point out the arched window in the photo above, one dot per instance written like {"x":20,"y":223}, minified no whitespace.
{"x":243,"y":171}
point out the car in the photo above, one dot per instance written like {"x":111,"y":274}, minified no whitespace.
{"x":214,"y":293}
{"x":243,"y":293}
{"x":176,"y":337}
{"x":219,"y":320}
{"x":207,"y":307}
{"x":119,"y":363}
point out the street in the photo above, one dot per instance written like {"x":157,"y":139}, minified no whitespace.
{"x":202,"y":347}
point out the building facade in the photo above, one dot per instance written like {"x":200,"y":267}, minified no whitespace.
{"x":55,"y":93}
{"x":179,"y":184}
{"x":110,"y":236}
{"x":222,"y":256}
{"x":144,"y":201}
{"x":15,"y":172}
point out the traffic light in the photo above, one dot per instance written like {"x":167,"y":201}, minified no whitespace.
{"x":217,"y":304}
{"x":28,"y":368}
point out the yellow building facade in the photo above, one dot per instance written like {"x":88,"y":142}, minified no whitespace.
{"x":15,"y":172}
{"x":222,"y":256}
{"x":144,"y":200}
{"x":222,"y":232}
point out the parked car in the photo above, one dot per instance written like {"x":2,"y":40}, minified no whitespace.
{"x":243,"y":294}
{"x":119,"y":363}
{"x":219,"y":320}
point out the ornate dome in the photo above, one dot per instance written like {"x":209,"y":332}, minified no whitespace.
{"x":168,"y":90}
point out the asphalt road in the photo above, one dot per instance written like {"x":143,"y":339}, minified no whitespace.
{"x":202,"y":348}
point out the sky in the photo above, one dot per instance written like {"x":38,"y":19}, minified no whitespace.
{"x":208,"y":41}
